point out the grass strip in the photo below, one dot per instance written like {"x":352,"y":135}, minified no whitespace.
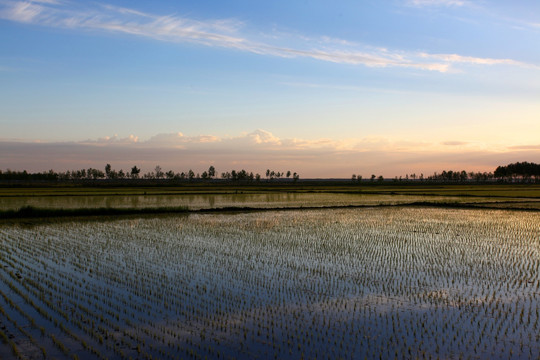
{"x":30,"y":212}
{"x":33,"y":212}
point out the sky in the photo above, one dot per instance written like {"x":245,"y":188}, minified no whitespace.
{"x":322,"y":88}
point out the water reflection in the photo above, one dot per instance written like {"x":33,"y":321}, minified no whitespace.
{"x":208,"y":201}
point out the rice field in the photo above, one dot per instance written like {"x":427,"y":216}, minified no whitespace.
{"x":266,"y":200}
{"x":210,"y":201}
{"x":370,"y":283}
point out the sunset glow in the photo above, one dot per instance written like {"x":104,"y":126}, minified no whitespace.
{"x":323,"y":89}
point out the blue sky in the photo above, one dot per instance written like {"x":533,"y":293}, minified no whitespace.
{"x":363,"y":86}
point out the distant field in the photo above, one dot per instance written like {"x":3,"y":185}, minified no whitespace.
{"x":99,"y":200}
{"x":525,"y":191}
{"x":496,"y":190}
{"x":288,"y":271}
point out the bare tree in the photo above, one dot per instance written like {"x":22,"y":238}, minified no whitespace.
{"x":158,"y":172}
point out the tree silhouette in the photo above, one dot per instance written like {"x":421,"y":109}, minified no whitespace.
{"x":520,"y":170}
{"x":135,"y":172}
{"x":158,"y":172}
{"x":108,"y":170}
{"x":211,"y":172}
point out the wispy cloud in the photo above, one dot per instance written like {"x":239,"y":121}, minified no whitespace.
{"x":525,"y":147}
{"x":228,"y":33}
{"x":497,"y":15}
{"x":455,"y":143}
{"x":455,"y":58}
{"x":54,"y":2}
{"x":424,"y":3}
{"x":519,"y":24}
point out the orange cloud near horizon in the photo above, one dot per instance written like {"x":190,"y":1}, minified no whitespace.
{"x":261,"y":150}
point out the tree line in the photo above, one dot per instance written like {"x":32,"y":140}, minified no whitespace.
{"x":524,"y":172}
{"x":520,"y":171}
{"x":515,"y":172}
{"x":135,"y":173}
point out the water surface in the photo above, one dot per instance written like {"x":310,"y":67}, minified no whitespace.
{"x":375,"y":282}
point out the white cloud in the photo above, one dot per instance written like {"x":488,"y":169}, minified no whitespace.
{"x":113,"y":140}
{"x":229,"y":33}
{"x":179,"y":140}
{"x":263,"y":137}
{"x":455,"y":58}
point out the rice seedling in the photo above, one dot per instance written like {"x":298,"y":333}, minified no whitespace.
{"x":388,"y":282}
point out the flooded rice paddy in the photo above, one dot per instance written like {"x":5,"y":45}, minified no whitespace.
{"x":254,"y":200}
{"x":342,"y":283}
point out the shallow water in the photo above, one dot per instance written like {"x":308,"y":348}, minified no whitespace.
{"x":208,"y":201}
{"x":405,"y":282}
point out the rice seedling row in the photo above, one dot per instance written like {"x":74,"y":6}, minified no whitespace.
{"x":391,"y":283}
